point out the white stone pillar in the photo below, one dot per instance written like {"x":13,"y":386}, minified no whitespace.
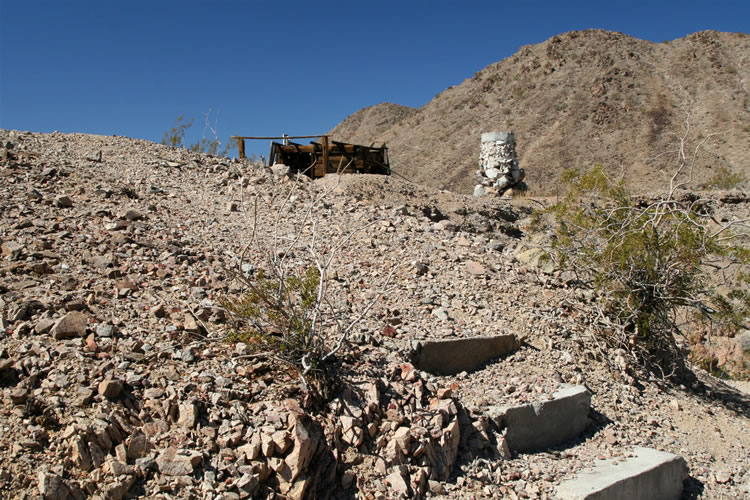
{"x":498,"y":164}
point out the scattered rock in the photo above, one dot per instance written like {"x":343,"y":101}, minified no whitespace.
{"x":12,"y":249}
{"x":132,"y":214}
{"x":63,"y":201}
{"x":475,"y":268}
{"x":173,"y":463}
{"x":111,"y":388}
{"x":399,"y":486}
{"x":72,"y":325}
{"x":302,"y":451}
{"x":52,"y":486}
{"x":188,"y":415}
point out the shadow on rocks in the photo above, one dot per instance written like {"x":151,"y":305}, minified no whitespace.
{"x":692,"y":489}
{"x":477,"y":446}
{"x":715,"y":392}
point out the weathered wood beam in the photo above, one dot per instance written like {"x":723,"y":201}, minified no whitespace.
{"x":325,"y":153}
{"x":282,"y":137}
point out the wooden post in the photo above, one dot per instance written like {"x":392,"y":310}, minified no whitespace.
{"x":325,"y":154}
{"x":241,"y":147}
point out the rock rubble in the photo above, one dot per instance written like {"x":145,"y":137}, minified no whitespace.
{"x":119,"y":376}
{"x":498,"y":170}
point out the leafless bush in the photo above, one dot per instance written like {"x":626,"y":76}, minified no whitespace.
{"x":287,"y":312}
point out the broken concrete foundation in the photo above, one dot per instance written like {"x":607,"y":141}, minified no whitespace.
{"x":649,"y":474}
{"x":448,"y":357}
{"x":545,"y":424}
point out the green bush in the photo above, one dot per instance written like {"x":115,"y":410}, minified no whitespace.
{"x":280,"y":312}
{"x":649,"y":262}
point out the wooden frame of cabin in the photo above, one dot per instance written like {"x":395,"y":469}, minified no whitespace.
{"x":325,"y":157}
{"x":312,"y":160}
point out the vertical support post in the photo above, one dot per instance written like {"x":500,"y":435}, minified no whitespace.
{"x":241,"y":147}
{"x":324,"y":140}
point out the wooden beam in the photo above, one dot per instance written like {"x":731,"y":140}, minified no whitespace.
{"x":241,"y":147}
{"x":325,"y":153}
{"x":281,"y":138}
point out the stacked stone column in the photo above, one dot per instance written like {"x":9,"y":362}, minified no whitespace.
{"x":498,"y":164}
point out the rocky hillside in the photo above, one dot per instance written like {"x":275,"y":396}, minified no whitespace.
{"x":366,"y":124}
{"x":120,"y":375}
{"x":579,"y":99}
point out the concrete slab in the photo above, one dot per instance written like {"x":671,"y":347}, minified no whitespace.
{"x":498,"y":137}
{"x":545,"y":424}
{"x":650,"y":474}
{"x":448,"y":357}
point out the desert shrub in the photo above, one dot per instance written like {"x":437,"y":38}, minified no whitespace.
{"x":209,"y":143}
{"x":286,"y":312}
{"x":725,"y":179}
{"x":280,"y":310}
{"x":175,"y":137}
{"x":650,"y":262}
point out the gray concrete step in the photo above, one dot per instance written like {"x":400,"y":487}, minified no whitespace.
{"x":448,"y":357}
{"x":541,"y":425}
{"x":649,"y":474}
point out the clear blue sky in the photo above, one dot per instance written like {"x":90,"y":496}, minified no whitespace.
{"x":270,"y":67}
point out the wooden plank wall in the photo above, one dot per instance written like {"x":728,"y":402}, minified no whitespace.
{"x":349,"y":158}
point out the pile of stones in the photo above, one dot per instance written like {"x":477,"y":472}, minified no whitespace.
{"x":498,"y":164}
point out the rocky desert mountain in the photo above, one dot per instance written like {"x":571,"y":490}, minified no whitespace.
{"x":576,"y":100}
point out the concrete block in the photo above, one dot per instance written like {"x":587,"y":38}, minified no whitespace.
{"x":545,"y":424}
{"x":650,"y":474}
{"x":498,"y":137}
{"x":447,"y":357}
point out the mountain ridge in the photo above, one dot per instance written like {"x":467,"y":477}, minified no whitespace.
{"x":576,"y":100}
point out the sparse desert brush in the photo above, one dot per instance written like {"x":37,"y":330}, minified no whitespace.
{"x":175,"y":137}
{"x":726,"y":179}
{"x":286,"y":312}
{"x":649,"y":262}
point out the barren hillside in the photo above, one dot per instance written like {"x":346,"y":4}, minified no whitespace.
{"x":576,"y":100}
{"x":367,"y":123}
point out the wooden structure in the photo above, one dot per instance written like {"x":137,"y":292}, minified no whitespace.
{"x":325,"y":157}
